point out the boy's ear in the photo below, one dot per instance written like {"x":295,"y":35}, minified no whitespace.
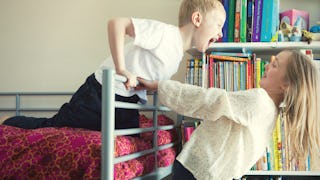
{"x":196,"y":18}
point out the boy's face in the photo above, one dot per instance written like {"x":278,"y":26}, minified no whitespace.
{"x":210,"y":29}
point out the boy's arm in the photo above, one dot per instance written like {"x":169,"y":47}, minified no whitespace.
{"x":118,"y":28}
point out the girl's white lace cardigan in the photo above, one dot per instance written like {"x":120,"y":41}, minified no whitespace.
{"x":234,"y":133}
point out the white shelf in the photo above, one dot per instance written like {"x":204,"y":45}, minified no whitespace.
{"x":259,"y":47}
{"x":283,"y":173}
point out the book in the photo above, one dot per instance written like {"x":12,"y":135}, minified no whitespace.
{"x":256,"y":29}
{"x":266,"y":22}
{"x":211,"y":72}
{"x":237,"y":21}
{"x":191,"y":72}
{"x":233,"y":54}
{"x":231,"y":18}
{"x":243,"y":21}
{"x":257,"y":72}
{"x":226,"y":23}
{"x":229,"y":58}
{"x":275,"y":18}
{"x":196,"y":72}
{"x":250,"y":10}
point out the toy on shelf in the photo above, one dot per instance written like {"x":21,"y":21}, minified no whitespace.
{"x":313,"y":34}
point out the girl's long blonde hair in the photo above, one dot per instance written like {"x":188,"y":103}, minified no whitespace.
{"x":302,"y":110}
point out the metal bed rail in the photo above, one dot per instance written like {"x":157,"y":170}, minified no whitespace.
{"x":108,"y":126}
{"x":18,"y":109}
{"x":109,"y":132}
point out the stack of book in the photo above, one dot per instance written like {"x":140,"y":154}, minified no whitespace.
{"x":250,"y":20}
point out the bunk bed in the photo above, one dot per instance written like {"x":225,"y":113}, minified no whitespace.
{"x":74,"y":153}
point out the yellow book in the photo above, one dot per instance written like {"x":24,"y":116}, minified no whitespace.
{"x":275,"y":149}
{"x":279,"y":143}
{"x":257,"y":74}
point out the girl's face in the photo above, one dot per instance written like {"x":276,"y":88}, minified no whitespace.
{"x":209,"y":30}
{"x":274,"y":79}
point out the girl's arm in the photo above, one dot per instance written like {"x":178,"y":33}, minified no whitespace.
{"x":211,"y":104}
{"x":118,"y":28}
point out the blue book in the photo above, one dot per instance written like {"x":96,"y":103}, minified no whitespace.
{"x":226,"y":23}
{"x":266,"y":22}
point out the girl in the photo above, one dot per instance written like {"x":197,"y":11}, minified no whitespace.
{"x":237,"y":125}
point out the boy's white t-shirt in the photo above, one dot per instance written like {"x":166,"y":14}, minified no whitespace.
{"x":154,"y":54}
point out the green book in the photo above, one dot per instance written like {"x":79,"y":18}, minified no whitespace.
{"x":232,"y":7}
{"x":243,"y":21}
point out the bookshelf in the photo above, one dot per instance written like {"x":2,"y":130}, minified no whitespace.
{"x":265,"y":49}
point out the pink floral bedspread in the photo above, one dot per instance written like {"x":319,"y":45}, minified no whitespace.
{"x":71,"y":153}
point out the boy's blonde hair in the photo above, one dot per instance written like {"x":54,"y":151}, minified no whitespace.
{"x":188,"y":7}
{"x":302,"y":110}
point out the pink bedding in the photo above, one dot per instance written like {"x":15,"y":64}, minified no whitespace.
{"x":70,"y":153}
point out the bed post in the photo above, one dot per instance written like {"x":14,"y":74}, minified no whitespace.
{"x":108,"y":110}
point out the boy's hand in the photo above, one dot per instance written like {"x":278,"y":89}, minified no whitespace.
{"x":146,"y":85}
{"x":131,"y":79}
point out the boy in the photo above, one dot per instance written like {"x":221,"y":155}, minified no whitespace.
{"x":154,"y":54}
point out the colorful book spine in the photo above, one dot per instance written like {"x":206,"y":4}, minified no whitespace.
{"x":249,"y":74}
{"x":256,"y":29}
{"x":229,"y":58}
{"x":279,"y":143}
{"x":242,"y":76}
{"x":275,"y":18}
{"x":187,"y":78}
{"x":243,"y":21}
{"x":233,"y":54}
{"x":226,"y":23}
{"x":250,"y":10}
{"x":266,"y":22}
{"x":191,"y":71}
{"x":204,"y":71}
{"x":221,"y":75}
{"x":196,"y":72}
{"x":275,"y":149}
{"x":237,"y":21}
{"x":236,"y":76}
{"x":201,"y":69}
{"x":187,"y":133}
{"x":231,"y":18}
{"x":257,"y":72}
{"x":211,"y":72}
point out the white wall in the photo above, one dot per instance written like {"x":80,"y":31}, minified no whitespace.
{"x":50,"y":45}
{"x":53,"y":45}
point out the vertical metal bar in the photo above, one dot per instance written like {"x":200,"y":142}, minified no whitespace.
{"x":155,"y":124}
{"x":108,"y":105}
{"x":17,"y":104}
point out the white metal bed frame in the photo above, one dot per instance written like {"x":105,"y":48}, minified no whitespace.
{"x":108,"y":126}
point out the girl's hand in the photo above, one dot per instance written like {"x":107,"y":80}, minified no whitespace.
{"x":131,"y":79}
{"x":146,"y":85}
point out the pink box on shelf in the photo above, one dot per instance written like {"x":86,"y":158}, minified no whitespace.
{"x":294,"y":16}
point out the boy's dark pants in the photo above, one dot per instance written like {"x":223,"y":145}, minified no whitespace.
{"x":83,"y":111}
{"x":180,"y":172}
